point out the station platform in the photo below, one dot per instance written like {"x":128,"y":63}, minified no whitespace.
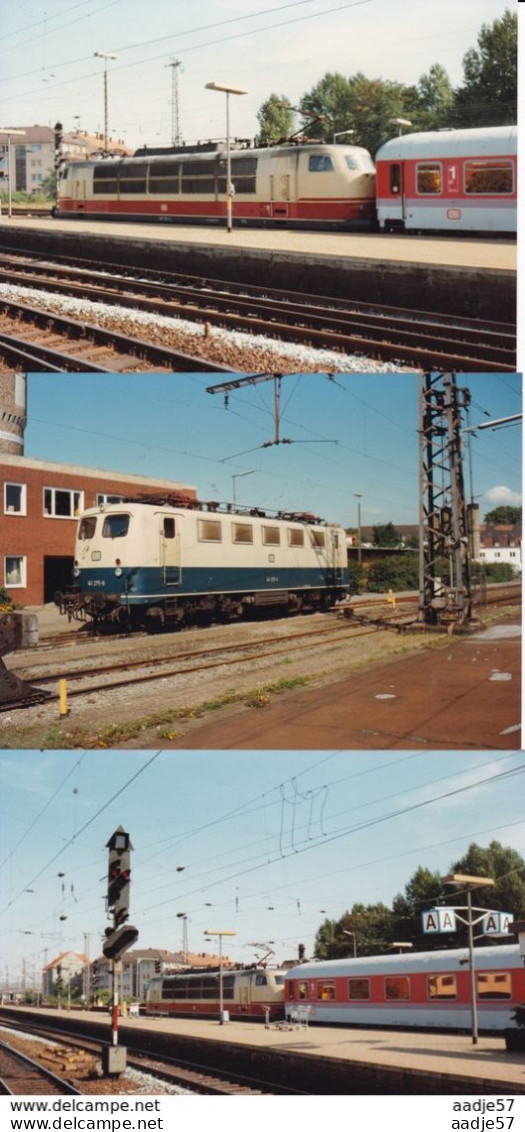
{"x":473,"y":277}
{"x":345,"y":1059}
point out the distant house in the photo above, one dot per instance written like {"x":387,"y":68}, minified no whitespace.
{"x":64,"y":975}
{"x":140,"y":965}
{"x":501,"y":543}
{"x":33,"y":153}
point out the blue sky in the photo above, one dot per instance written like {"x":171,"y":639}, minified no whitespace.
{"x":170,"y":427}
{"x":269,"y":844}
{"x":49,"y":71}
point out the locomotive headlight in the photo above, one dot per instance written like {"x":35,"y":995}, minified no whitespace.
{"x":76,"y":572}
{"x":118,"y":571}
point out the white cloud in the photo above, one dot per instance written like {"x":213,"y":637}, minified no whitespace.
{"x":502,"y":495}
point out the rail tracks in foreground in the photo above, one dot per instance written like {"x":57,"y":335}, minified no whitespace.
{"x":20,"y":1075}
{"x":419,"y":338}
{"x":190,"y":1075}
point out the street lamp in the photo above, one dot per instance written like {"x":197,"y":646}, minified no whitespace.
{"x":10,"y":132}
{"x":358,"y":496}
{"x":223,"y":1014}
{"x":400,"y":122}
{"x":184,"y":917}
{"x":227,"y":90}
{"x":238,"y":476}
{"x":105,"y":55}
{"x":469,"y":883}
{"x":354,"y":939}
{"x":340,"y":133}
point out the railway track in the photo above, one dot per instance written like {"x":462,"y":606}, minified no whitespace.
{"x":22,"y":1076}
{"x":189,"y":1075}
{"x":53,"y":343}
{"x":395,"y":334}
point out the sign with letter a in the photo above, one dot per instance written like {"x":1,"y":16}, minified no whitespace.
{"x":439,"y":920}
{"x":496,"y":923}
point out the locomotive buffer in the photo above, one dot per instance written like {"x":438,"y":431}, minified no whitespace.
{"x":119,"y":938}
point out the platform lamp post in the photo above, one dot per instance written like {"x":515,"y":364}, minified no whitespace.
{"x":358,"y":496}
{"x":468,"y":883}
{"x":340,"y":134}
{"x":223,"y":1017}
{"x":400,"y":122}
{"x":105,"y":55}
{"x":353,"y":940}
{"x":10,"y":133}
{"x":227,"y":90}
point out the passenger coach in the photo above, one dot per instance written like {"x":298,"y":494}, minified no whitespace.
{"x":428,"y":989}
{"x":449,"y":180}
{"x":158,"y":562}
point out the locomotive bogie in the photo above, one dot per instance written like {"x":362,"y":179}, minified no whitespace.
{"x":160,"y":565}
{"x":452,"y":180}
{"x":426,"y":989}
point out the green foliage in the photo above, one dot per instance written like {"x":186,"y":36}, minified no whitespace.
{"x":505,"y":513}
{"x":399,"y":572}
{"x":6,"y":601}
{"x":488,"y":96}
{"x":499,"y":572}
{"x":358,"y":103}
{"x":275,"y":118}
{"x":385,"y":534}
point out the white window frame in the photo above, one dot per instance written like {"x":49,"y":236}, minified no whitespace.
{"x":72,"y":492}
{"x":23,"y":572}
{"x":23,"y":498}
{"x":103,"y":497}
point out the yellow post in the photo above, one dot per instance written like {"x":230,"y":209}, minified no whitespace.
{"x":391,"y":598}
{"x":62,"y":687}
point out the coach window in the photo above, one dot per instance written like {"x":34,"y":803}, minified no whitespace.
{"x":15,"y":498}
{"x":318,"y":538}
{"x":15,"y":571}
{"x":62,"y":504}
{"x":326,"y":990}
{"x":271,"y":536}
{"x":429,"y":178}
{"x":295,"y":536}
{"x":302,"y":991}
{"x":87,"y":528}
{"x":209,"y":530}
{"x":358,"y":990}
{"x":494,"y":984}
{"x":489,"y":177}
{"x":242,"y":532}
{"x":320,"y":163}
{"x":441,"y":987}
{"x":168,"y":527}
{"x":395,"y":178}
{"x":115,"y":526}
{"x":397,"y":987}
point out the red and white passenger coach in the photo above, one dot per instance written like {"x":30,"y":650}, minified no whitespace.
{"x":449,"y":180}
{"x":428,"y":989}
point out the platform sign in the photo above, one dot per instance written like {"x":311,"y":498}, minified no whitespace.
{"x":496,"y":923}
{"x":439,"y":920}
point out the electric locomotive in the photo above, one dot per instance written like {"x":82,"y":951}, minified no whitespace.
{"x":250,"y":993}
{"x":169,"y":561}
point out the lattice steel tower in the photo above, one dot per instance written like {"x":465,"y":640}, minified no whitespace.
{"x":445,"y":519}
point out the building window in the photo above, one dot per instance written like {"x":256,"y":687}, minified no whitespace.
{"x":14,"y":571}
{"x":15,"y":498}
{"x":102,"y":498}
{"x":429,"y":178}
{"x":441,"y":987}
{"x":358,"y":990}
{"x":59,"y":503}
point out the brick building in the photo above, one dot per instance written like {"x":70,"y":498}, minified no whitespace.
{"x":39,"y":505}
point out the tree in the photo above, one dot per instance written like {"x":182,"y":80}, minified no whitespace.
{"x":363,"y":105}
{"x":434,"y":100}
{"x":489,"y":95}
{"x":275,"y":118}
{"x":504,"y":514}
{"x":385,"y":534}
{"x":370,"y":924}
{"x":395,"y":573}
{"x":423,"y":891}
{"x":506,"y":867}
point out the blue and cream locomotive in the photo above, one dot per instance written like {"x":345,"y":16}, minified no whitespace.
{"x":167,"y":562}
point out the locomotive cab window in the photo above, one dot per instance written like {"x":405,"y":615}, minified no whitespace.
{"x":209,"y":530}
{"x":320,"y":163}
{"x":242,"y":532}
{"x":441,"y":987}
{"x":115,"y":526}
{"x":271,"y":536}
{"x":494,"y":985}
{"x":358,"y":990}
{"x":429,"y":178}
{"x":87,"y":527}
{"x":261,"y":981}
{"x":397,"y":987}
{"x":489,"y":177}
